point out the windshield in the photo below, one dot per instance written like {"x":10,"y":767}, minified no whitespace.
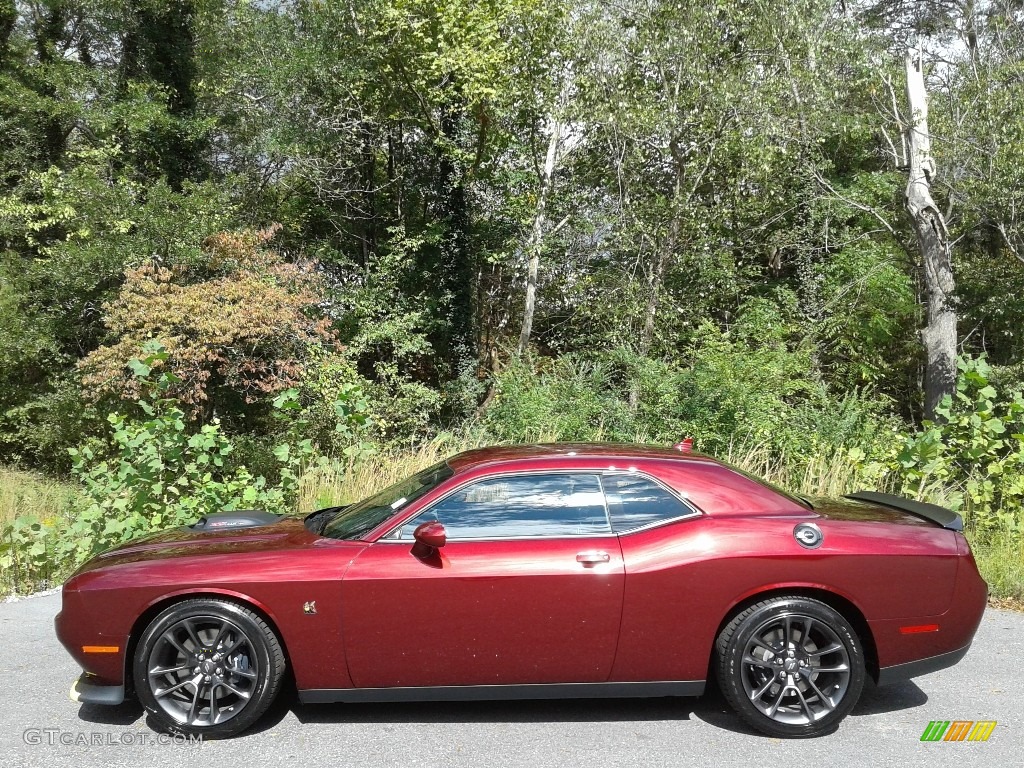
{"x":357,"y":520}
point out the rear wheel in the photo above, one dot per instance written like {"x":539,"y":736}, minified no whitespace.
{"x":208,"y":667}
{"x":791,"y":666}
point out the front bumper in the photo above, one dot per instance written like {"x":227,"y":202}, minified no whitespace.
{"x":85,"y":690}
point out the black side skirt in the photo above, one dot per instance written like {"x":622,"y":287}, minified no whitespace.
{"x":504,"y":692}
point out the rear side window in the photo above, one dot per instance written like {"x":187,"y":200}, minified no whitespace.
{"x":521,"y":506}
{"x":635,"y":501}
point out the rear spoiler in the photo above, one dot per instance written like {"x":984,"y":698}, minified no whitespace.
{"x":947,"y":518}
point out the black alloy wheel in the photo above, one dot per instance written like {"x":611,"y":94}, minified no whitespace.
{"x":791,"y":666}
{"x":207,"y":667}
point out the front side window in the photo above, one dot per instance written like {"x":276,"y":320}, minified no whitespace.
{"x":554,"y":505}
{"x":635,"y":501}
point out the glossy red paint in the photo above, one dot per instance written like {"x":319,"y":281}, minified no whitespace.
{"x":431,"y":535}
{"x":636,"y":607}
{"x":511,"y":612}
{"x":274,"y":569}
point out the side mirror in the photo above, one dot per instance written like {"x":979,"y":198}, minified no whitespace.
{"x":430,"y":534}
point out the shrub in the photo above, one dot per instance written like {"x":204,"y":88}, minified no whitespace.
{"x":976,"y":449}
{"x":751,"y":388}
{"x":154,"y":472}
{"x":236,"y":327}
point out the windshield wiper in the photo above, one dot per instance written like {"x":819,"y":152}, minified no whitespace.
{"x":318,"y":520}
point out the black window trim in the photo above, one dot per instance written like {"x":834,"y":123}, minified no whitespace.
{"x":391,"y":537}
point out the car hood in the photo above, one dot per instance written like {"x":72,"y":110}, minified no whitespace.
{"x":285,"y":533}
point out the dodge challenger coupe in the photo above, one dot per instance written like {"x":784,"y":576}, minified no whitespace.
{"x":531,"y":572}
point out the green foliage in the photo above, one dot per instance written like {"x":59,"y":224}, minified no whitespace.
{"x":31,"y":508}
{"x":976,"y":448}
{"x":153,"y":473}
{"x":739,"y":390}
{"x":713,"y":191}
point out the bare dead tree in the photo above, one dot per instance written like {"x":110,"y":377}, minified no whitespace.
{"x":939,"y":334}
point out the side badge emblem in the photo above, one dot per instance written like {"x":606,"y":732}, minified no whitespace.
{"x":309,"y":608}
{"x":808,"y":535}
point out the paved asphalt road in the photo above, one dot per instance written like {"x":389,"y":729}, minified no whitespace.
{"x":884,"y":730}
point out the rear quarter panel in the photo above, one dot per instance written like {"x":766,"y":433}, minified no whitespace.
{"x":684,"y":579}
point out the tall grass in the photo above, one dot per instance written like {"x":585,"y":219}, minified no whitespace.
{"x":827,"y":474}
{"x":1001,"y":562}
{"x":30,"y":506}
{"x":344,"y":482}
{"x":26,"y":493}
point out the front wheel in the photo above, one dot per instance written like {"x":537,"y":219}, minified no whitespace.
{"x":791,"y":666}
{"x":208,"y":668}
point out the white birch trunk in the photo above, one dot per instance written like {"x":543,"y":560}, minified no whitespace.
{"x":535,"y":242}
{"x":939,"y":334}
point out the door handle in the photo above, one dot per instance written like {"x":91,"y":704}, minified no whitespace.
{"x":592,"y":558}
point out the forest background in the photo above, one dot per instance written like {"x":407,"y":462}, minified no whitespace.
{"x":279,"y":254}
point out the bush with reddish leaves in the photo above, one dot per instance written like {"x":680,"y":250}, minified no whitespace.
{"x":239,"y":325}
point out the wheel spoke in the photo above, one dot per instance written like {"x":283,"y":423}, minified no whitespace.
{"x":753,"y":662}
{"x":214,"y":713}
{"x":220,"y":633}
{"x":759,"y":643}
{"x":825,"y":700}
{"x":173,"y":688}
{"x":237,"y":643}
{"x":193,"y":710}
{"x":836,"y":668}
{"x":775,"y":706}
{"x":170,"y":670}
{"x":831,"y":648}
{"x":170,"y":638}
{"x":804,"y":704}
{"x":197,"y":644}
{"x":808,"y":623}
{"x":248,"y":673}
{"x":756,"y":696}
{"x":241,"y":694}
{"x":787,"y":632}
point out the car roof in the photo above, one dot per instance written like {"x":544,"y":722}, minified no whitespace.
{"x":506,"y":453}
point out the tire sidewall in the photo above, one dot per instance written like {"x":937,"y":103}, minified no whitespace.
{"x":221,"y":609}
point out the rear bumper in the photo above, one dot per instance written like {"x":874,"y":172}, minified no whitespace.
{"x":86,"y":691}
{"x":900,"y":672}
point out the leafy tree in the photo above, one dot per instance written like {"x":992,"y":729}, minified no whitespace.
{"x":237,"y":326}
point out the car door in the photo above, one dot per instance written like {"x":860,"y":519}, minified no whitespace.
{"x":527,"y":590}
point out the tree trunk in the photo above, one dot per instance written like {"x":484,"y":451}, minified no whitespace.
{"x":535,"y":242}
{"x":654,"y":281}
{"x":939,"y":334}
{"x":8,"y":18}
{"x":452,"y":267}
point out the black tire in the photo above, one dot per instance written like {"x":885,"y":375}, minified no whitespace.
{"x":791,"y":667}
{"x":207,"y":667}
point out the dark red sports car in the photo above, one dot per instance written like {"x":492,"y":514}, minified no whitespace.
{"x":532,"y":572}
